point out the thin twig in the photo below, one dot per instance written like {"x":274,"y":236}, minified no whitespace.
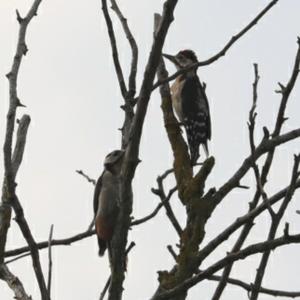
{"x":172,"y":252}
{"x":114,"y":48}
{"x":89,"y":179}
{"x":134,"y":49}
{"x":91,"y":226}
{"x":128,"y":95}
{"x":131,"y":245}
{"x":34,"y":250}
{"x":17,"y":258}
{"x":221,"y":53}
{"x":251,"y":127}
{"x":262,"y":290}
{"x":160,"y":191}
{"x":50,"y":261}
{"x":161,"y":194}
{"x":43,"y":245}
{"x":156,"y":210}
{"x":102,"y":295}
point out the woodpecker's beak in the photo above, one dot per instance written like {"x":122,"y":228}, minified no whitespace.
{"x":172,"y":58}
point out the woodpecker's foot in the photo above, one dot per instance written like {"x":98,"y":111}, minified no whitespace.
{"x":194,"y":161}
{"x":131,"y":220}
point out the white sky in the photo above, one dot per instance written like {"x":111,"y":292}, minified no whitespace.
{"x":68,"y":84}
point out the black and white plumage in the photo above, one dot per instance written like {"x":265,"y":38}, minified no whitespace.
{"x":107,"y":199}
{"x":190,"y":103}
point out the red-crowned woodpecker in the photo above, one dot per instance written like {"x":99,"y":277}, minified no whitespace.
{"x":190,"y":103}
{"x":107,"y":199}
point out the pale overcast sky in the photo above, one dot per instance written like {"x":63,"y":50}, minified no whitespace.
{"x":68,"y":84}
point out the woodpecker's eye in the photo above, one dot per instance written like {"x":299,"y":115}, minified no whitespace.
{"x":180,"y":57}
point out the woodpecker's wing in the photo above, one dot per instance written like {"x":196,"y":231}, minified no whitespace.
{"x":202,"y":91}
{"x":195,"y":105}
{"x":101,"y":243}
{"x":96,"y":193}
{"x":196,"y":117}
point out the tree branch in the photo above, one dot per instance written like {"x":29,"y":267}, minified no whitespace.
{"x":43,"y":245}
{"x":20,"y":144}
{"x":242,"y":284}
{"x":164,"y":202}
{"x":34,"y":250}
{"x":102,"y":295}
{"x":240,"y":221}
{"x":276,"y":219}
{"x":114,"y":48}
{"x":50,"y":260}
{"x":131,"y":160}
{"x":265,"y":171}
{"x":14,"y":283}
{"x":11,"y":164}
{"x":265,"y":146}
{"x":232,"y":257}
{"x":160,"y":192}
{"x":182,"y":167}
{"x":134,"y":49}
{"x":128,"y":94}
{"x":262,"y":290}
{"x":251,"y":127}
{"x":222,"y":52}
{"x":286,"y":91}
{"x":89,"y":179}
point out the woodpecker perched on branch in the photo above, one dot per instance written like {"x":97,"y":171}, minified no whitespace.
{"x":107,"y":199}
{"x":190,"y":103}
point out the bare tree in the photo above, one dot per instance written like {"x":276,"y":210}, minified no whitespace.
{"x":198,"y":201}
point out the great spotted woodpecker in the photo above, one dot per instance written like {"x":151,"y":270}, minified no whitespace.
{"x":190,"y":103}
{"x":107,"y":199}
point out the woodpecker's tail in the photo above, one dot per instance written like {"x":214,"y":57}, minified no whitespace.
{"x":194,"y":154}
{"x":205,"y":147}
{"x":102,"y":246}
